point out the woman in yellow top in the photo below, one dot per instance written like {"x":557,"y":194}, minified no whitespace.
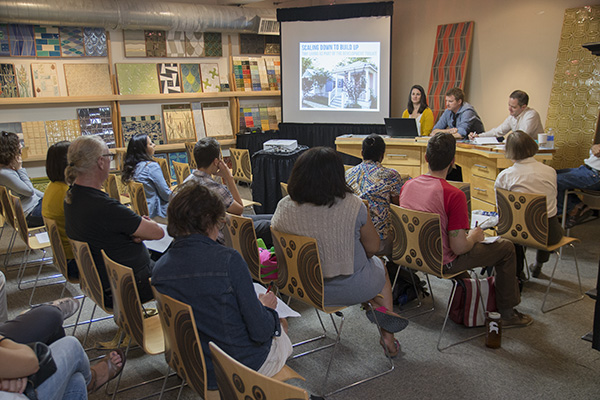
{"x":419,"y":110}
{"x":54,"y":197}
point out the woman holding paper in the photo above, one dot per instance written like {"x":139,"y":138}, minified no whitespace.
{"x":419,"y":110}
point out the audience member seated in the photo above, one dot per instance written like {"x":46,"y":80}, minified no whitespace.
{"x":378,"y":185}
{"x":215,"y":281}
{"x":460,"y":117}
{"x":207,"y":153}
{"x":140,"y":167}
{"x":463,"y":250}
{"x":73,"y":379}
{"x":321,"y":205}
{"x":528,"y":175}
{"x":587,"y":176}
{"x":419,"y":110}
{"x":521,"y":118}
{"x":14,"y":177}
{"x":53,"y":203}
{"x":92,"y":216}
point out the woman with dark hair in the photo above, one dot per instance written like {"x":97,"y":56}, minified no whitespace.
{"x":140,"y":167}
{"x":53,"y":204}
{"x":527,"y":175}
{"x":419,"y":110}
{"x":14,"y":177}
{"x":215,"y":281}
{"x":321,"y":205}
{"x":378,"y":185}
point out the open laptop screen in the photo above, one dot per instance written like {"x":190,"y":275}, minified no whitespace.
{"x":401,"y":127}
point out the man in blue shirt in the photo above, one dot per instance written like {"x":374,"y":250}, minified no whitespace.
{"x":460,"y":118}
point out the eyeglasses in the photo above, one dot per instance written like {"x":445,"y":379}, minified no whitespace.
{"x":109,"y":155}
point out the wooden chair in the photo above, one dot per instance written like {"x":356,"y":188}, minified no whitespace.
{"x":240,"y":235}
{"x":164,"y":166}
{"x":284,"y":191}
{"x":591,"y":198}
{"x":183,"y":351}
{"x":418,"y":246}
{"x":120,"y":155}
{"x":523,"y":219}
{"x":236,"y":381}
{"x":189,"y":149}
{"x":300,"y":277}
{"x":9,"y":217}
{"x":111,"y":187}
{"x":242,"y":168}
{"x":129,"y":315}
{"x":138,"y":198}
{"x":464,"y":187}
{"x":58,"y":252}
{"x":182,"y":171}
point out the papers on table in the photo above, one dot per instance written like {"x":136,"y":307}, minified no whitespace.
{"x":42,"y":237}
{"x":282,"y":309}
{"x":160,"y":245}
{"x":485,"y":140}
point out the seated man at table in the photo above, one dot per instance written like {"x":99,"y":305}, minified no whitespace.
{"x":463,"y":248}
{"x":92,"y":216}
{"x":460,"y":117}
{"x":207,"y":153}
{"x":521,"y":118}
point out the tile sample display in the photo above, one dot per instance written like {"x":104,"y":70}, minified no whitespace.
{"x":194,"y":44}
{"x":190,"y":78}
{"x":149,"y":125}
{"x":22,"y":40}
{"x":175,"y":44}
{"x":213,"y":44}
{"x":57,"y":131}
{"x":34,"y":134}
{"x":179,"y":123}
{"x":137,"y":78}
{"x":156,"y":45}
{"x":210,"y":77}
{"x":24,"y":83}
{"x":8,"y":81}
{"x":217,"y":119}
{"x":45,"y":80}
{"x":97,"y":121}
{"x":135,"y":43}
{"x":47,"y":41}
{"x":4,"y":42}
{"x":252,"y":43}
{"x":198,"y":120}
{"x":168,"y":74}
{"x":94,"y":40}
{"x":272,"y":44}
{"x":71,"y":41}
{"x":88,"y":79}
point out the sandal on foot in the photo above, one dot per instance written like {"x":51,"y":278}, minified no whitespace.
{"x":113,"y":371}
{"x":388,"y":322}
{"x":387,"y":351}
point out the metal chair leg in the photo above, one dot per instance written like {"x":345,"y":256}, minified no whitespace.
{"x":581,"y":294}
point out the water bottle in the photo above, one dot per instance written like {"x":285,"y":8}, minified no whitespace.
{"x":550,"y":139}
{"x":493,"y":333}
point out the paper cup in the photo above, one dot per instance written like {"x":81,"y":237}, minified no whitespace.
{"x":542,"y":138}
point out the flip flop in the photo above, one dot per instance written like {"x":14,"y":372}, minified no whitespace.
{"x":113,"y":371}
{"x":387,"y":351}
{"x":388,"y":322}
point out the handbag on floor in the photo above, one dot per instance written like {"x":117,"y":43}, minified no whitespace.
{"x":47,"y":369}
{"x":466,"y":306}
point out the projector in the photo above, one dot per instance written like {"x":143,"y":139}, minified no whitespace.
{"x":280,"y":145}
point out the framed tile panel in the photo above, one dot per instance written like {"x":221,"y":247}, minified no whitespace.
{"x":45,"y":80}
{"x":87,"y":79}
{"x":24,"y":82}
{"x":179,"y":123}
{"x":137,"y":78}
{"x":168,"y":75}
{"x":94,"y":40}
{"x":210,"y":77}
{"x":71,"y":42}
{"x":8,"y":81}
{"x":47,"y":41}
{"x":22,"y":40}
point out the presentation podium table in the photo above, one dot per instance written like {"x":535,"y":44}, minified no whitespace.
{"x":480,"y":165}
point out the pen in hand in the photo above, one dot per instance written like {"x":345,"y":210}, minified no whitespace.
{"x":270,"y":286}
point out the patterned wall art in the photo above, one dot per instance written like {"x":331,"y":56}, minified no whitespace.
{"x":137,"y":78}
{"x":71,"y":42}
{"x":190,"y":78}
{"x":168,"y":74}
{"x":175,"y":44}
{"x":57,"y":131}
{"x":217,"y":119}
{"x":149,"y":125}
{"x":135,"y":43}
{"x":213,"y":44}
{"x":8,"y":81}
{"x":24,"y":83}
{"x":194,"y":44}
{"x":87,"y":79}
{"x":252,"y":43}
{"x":45,"y":80}
{"x":97,"y":121}
{"x":450,"y":62}
{"x":575,"y":95}
{"x":178,"y":156}
{"x":198,"y":120}
{"x":179,"y":123}
{"x":156,"y":45}
{"x":94,"y":40}
{"x":272,"y":44}
{"x":22,"y":40}
{"x":47,"y":41}
{"x":4,"y":42}
{"x":34,"y":134}
{"x":210,"y":77}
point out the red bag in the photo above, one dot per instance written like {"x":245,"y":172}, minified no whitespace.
{"x":466,"y":306}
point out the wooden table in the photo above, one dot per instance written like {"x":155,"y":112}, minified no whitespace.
{"x":480,"y":165}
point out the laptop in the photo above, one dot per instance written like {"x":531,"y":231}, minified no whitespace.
{"x":401,"y":127}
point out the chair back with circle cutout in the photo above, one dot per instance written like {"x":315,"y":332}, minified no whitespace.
{"x":189,"y":149}
{"x":164,"y":167}
{"x":464,"y":187}
{"x":241,"y":166}
{"x":89,"y":279}
{"x":111,"y":187}
{"x":183,"y":350}
{"x":138,"y":198}
{"x":58,"y":250}
{"x":236,"y":381}
{"x":182,"y":171}
{"x":522,"y":218}
{"x":240,"y":235}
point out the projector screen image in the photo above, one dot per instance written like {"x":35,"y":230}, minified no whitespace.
{"x":341,"y":76}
